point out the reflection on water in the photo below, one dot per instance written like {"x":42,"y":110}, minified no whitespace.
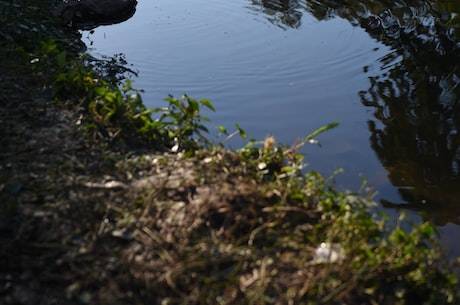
{"x":415,"y":97}
{"x":89,"y":14}
{"x":282,"y":12}
{"x":415,"y":131}
{"x":415,"y":134}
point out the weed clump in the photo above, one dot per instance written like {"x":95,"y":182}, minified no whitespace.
{"x":232,"y":236}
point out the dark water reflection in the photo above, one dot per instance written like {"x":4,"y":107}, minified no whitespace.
{"x":89,"y":14}
{"x":415,"y":97}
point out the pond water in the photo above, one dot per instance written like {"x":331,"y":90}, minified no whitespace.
{"x":286,"y":67}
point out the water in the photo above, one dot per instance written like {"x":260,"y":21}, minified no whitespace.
{"x":285,"y":68}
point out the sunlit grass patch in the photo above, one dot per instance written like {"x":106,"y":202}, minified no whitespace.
{"x":232,"y":237}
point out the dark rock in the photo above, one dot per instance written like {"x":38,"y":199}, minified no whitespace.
{"x":88,"y":14}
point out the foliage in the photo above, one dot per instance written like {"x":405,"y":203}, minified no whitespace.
{"x":113,"y":109}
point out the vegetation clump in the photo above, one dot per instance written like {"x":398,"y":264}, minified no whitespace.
{"x":107,"y":202}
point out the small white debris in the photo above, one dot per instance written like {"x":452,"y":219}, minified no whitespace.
{"x":329,"y":253}
{"x":106,"y":185}
{"x":262,"y":166}
{"x":124,"y":233}
{"x":175,"y":148}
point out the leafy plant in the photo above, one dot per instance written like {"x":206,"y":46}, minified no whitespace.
{"x":182,"y":122}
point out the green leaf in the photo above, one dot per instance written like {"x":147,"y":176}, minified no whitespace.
{"x":193,"y":106}
{"x":174,"y":101}
{"x":208,"y":104}
{"x":222,"y":129}
{"x":204,"y":128}
{"x":321,"y":130}
{"x":241,"y":131}
{"x":101,"y":91}
{"x":287,"y":169}
{"x":61,"y":59}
